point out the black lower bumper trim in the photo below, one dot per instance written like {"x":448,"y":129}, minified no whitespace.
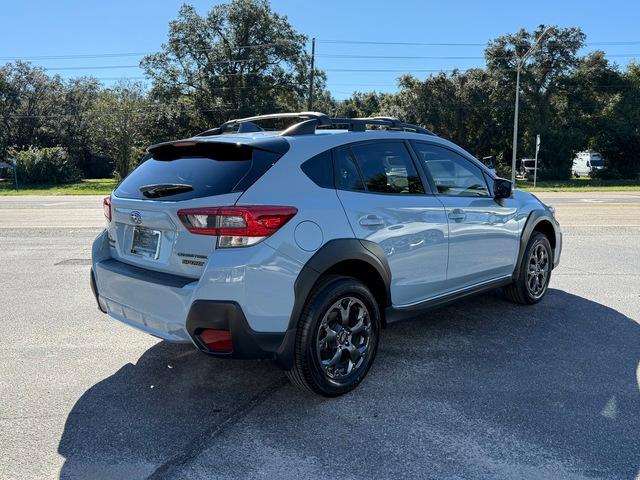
{"x":225,"y":315}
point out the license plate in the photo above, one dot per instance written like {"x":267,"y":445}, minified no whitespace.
{"x":146,"y":242}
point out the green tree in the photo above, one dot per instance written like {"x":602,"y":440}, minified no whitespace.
{"x":30,"y":106}
{"x":119,"y":119}
{"x":240,"y":59}
{"x":540,"y":80}
{"x":75,"y":127}
{"x":619,"y":138}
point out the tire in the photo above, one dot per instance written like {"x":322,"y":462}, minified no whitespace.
{"x":334,"y":351}
{"x":537,"y":262}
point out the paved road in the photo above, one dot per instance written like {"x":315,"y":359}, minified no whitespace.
{"x":482,"y":389}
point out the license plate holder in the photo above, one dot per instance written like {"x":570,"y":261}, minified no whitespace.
{"x":146,"y":242}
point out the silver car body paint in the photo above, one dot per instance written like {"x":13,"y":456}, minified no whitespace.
{"x":428,"y":254}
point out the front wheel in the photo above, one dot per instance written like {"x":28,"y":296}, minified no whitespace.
{"x":534,"y":273}
{"x":337,"y":337}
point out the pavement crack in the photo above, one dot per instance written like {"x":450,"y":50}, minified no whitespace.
{"x":202,"y":441}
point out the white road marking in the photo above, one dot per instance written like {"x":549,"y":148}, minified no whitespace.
{"x":15,"y":227}
{"x":562,"y":225}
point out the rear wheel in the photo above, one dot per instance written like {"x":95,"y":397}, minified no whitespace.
{"x":337,"y":337}
{"x":535,"y":272}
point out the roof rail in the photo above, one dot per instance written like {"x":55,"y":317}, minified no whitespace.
{"x":311,"y":120}
{"x":391,"y":123}
{"x":321,"y":119}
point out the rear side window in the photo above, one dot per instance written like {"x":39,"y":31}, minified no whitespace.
{"x":320,"y":169}
{"x":176,"y":174}
{"x":386,"y":167}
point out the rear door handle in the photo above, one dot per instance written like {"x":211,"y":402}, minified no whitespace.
{"x":457,"y":214}
{"x":371,"y":221}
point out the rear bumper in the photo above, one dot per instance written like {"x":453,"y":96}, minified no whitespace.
{"x":156,"y":304}
{"x":165,"y":309}
{"x":247,"y":343}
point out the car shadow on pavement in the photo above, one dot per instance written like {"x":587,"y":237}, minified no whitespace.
{"x":561,"y":376}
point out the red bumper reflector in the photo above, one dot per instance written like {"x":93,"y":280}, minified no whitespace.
{"x":217,"y":340}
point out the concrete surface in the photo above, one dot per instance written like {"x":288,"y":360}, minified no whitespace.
{"x":481,"y":389}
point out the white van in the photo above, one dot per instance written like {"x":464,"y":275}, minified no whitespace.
{"x":585,"y":162}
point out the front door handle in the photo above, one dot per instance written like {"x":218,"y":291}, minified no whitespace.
{"x":457,"y":214}
{"x":371,"y":221}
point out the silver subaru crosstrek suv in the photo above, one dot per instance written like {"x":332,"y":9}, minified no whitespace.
{"x":300,"y":244}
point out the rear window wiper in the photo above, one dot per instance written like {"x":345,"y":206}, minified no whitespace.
{"x":164,"y":189}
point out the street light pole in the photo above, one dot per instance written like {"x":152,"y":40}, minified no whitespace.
{"x":515,"y":129}
{"x":515,"y":115}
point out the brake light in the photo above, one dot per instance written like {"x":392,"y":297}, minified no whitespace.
{"x":106,"y":207}
{"x":237,"y":226}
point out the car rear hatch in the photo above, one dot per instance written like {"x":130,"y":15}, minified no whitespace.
{"x":145,"y":229}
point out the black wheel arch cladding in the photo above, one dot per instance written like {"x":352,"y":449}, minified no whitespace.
{"x":534,"y":222}
{"x":331,"y":254}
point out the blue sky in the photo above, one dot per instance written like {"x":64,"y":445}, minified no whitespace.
{"x":74,"y":27}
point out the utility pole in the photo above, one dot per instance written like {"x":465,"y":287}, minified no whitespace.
{"x":313,"y":66}
{"x":515,"y":115}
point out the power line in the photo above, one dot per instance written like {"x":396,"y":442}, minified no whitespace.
{"x":280,"y":42}
{"x":443,"y":57}
{"x":131,"y":54}
{"x":393,"y":70}
{"x":453,"y":44}
{"x":367,"y":42}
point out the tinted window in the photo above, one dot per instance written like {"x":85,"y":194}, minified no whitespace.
{"x":223,"y":170}
{"x":452,"y":173}
{"x":386,"y":167}
{"x":347,"y":175}
{"x":320,"y":169}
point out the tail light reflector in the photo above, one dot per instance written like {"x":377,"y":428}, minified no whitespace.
{"x":236,"y":226}
{"x":106,"y":207}
{"x":217,"y":340}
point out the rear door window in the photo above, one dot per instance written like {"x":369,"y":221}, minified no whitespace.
{"x":192,"y":172}
{"x":386,"y":167}
{"x":347,"y":174}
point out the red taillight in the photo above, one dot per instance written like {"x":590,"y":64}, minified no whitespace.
{"x":106,"y":206}
{"x":217,"y":340}
{"x":236,"y":226}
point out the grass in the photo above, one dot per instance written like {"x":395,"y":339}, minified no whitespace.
{"x":104,"y":186}
{"x":579,"y":185}
{"x":98,"y":186}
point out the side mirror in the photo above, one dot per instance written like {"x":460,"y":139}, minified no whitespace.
{"x":501,"y":188}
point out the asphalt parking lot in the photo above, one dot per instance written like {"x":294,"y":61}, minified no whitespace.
{"x":481,"y":389}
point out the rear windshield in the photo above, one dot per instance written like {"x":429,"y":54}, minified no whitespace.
{"x":178,"y":174}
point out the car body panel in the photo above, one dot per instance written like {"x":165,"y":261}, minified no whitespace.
{"x":426,"y":256}
{"x":484,"y":237}
{"x":413,"y":235}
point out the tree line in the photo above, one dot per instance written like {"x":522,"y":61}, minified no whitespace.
{"x":242,"y":59}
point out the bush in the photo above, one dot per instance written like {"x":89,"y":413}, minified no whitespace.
{"x":45,"y":166}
